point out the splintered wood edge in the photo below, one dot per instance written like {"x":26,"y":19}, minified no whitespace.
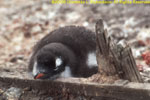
{"x":108,"y":57}
{"x":129,"y":91}
{"x":104,"y":56}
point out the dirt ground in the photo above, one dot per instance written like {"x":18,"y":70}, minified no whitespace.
{"x":23,"y":23}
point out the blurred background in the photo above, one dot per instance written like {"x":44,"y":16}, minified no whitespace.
{"x":23,"y":23}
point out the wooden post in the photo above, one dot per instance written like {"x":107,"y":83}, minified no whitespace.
{"x":114,"y":60}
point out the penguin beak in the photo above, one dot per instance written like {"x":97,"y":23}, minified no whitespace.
{"x":38,"y":73}
{"x":39,"y":76}
{"x":42,"y":76}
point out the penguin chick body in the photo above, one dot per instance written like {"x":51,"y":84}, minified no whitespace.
{"x":65,"y":52}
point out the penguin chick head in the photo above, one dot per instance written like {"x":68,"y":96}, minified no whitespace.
{"x":47,"y":65}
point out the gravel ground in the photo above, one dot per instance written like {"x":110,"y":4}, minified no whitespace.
{"x":24,"y":23}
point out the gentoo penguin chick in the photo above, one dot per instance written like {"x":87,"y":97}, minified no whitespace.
{"x":65,"y":52}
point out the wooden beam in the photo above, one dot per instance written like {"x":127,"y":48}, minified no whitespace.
{"x":73,"y":87}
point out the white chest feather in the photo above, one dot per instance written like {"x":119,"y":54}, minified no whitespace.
{"x":66,"y":72}
{"x":91,"y":60}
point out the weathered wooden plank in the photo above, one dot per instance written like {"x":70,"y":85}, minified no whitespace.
{"x":103,"y":50}
{"x":129,"y":66}
{"x":114,"y":59}
{"x":130,"y":91}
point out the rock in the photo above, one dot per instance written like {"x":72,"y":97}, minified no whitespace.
{"x":12,"y":94}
